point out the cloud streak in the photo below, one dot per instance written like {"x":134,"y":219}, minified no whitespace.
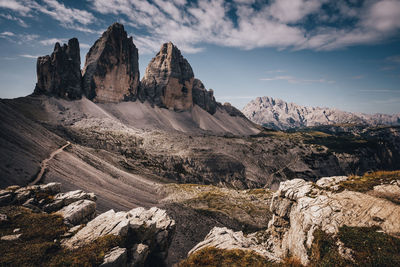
{"x":294,"y":80}
{"x":281,"y":24}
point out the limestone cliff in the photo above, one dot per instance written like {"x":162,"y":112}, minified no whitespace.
{"x":111,"y":71}
{"x":59,"y":74}
{"x":204,"y":98}
{"x":168,"y":80}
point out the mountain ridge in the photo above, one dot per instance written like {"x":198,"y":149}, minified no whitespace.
{"x":281,"y":115}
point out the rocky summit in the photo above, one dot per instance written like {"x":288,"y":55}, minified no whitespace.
{"x":60,"y":73}
{"x":111,"y":71}
{"x":280,"y":115}
{"x":168,"y":80}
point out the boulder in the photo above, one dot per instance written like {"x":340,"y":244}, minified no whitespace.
{"x":111,"y":71}
{"x":116,"y":257}
{"x":78,"y":212}
{"x":60,"y":73}
{"x":168,"y":80}
{"x":224,"y":238}
{"x":63,"y":199}
{"x":203,"y":98}
{"x":153,"y":228}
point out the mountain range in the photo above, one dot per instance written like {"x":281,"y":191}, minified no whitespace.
{"x":280,"y":115}
{"x":163,"y":141}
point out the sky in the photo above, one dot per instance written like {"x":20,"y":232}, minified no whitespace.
{"x":343,"y":54}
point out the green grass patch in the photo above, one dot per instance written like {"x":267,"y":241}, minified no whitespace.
{"x":39,"y":244}
{"x":212,"y":256}
{"x":371,"y":248}
{"x":369,"y":180}
{"x":324,"y":251}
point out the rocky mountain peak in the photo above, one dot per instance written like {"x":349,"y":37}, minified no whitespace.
{"x":280,"y":115}
{"x":111,"y":71}
{"x":59,"y":74}
{"x":168,"y":80}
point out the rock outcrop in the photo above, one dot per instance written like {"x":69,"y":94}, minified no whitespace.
{"x":300,"y":208}
{"x":152,"y":228}
{"x":168,"y":80}
{"x":144,"y":234}
{"x":204,"y":98}
{"x":60,"y":73}
{"x":111,"y":71}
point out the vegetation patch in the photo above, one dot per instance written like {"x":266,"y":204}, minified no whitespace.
{"x":324,"y":251}
{"x":212,"y":256}
{"x":39,"y":243}
{"x":369,"y":180}
{"x":371,"y":247}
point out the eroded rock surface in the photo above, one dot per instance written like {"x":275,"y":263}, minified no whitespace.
{"x":60,"y":73}
{"x":204,"y":98}
{"x":111,"y":72}
{"x":168,"y":80}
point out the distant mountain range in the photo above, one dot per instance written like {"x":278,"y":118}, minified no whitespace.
{"x":281,"y":115}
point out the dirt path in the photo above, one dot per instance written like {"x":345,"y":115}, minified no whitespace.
{"x":43,"y":165}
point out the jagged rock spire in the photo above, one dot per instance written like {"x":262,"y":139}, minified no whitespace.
{"x":168,"y":80}
{"x":111,"y":72}
{"x":60,"y":73}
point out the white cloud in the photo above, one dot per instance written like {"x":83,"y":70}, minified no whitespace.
{"x":7,"y":34}
{"x":71,"y":18}
{"x":294,"y":80}
{"x":289,"y":11}
{"x":14,"y":5}
{"x":277,"y":24}
{"x":52,"y":41}
{"x":20,"y":21}
{"x":68,"y":16}
{"x":393,"y":59}
{"x":84,"y":46}
{"x":357,"y":77}
{"x":29,"y":56}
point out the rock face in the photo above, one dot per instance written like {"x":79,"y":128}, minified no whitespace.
{"x":203,"y":98}
{"x":111,"y":72}
{"x":280,"y":115}
{"x":168,"y":80}
{"x":78,"y":212}
{"x":60,"y":73}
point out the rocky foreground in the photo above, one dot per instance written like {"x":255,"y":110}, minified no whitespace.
{"x":41,"y":226}
{"x":337,"y":220}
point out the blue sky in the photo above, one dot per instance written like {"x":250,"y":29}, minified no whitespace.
{"x":334,"y":53}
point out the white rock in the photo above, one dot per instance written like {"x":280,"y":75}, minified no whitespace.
{"x":116,"y":257}
{"x":10,"y":237}
{"x":78,"y":212}
{"x":224,"y":238}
